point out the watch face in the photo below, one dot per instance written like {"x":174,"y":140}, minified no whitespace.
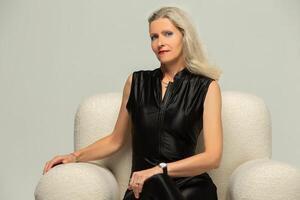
{"x":162,"y":165}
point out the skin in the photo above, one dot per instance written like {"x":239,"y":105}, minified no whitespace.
{"x":164,"y":35}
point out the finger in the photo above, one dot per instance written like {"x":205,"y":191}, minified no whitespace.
{"x":134,"y":187}
{"x":136,"y":194}
{"x":140,"y":185}
{"x":52,"y":162}
{"x":137,"y":188}
{"x":45,"y":167}
{"x":132,"y":181}
{"x":49,"y":165}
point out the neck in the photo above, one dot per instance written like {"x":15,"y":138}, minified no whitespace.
{"x":170,"y":71}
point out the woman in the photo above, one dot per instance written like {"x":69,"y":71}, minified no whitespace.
{"x":167,"y":108}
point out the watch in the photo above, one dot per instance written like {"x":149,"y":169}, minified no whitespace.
{"x":164,"y":166}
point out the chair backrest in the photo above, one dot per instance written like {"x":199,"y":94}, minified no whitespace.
{"x":246,"y":134}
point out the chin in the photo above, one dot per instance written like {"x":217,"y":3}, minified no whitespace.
{"x":165,"y":61}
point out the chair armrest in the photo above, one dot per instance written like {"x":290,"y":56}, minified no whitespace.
{"x":263,"y":179}
{"x":77,"y":181}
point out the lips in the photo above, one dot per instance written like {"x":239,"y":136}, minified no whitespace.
{"x":163,"y":51}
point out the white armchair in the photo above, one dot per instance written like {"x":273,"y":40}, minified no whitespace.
{"x":246,"y":171}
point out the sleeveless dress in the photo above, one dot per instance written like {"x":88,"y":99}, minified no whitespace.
{"x":166,"y":130}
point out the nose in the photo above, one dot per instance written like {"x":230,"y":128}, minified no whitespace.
{"x":160,"y":42}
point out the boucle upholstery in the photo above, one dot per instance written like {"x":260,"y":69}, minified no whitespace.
{"x":246,"y":171}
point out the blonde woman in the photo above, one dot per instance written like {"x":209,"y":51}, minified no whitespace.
{"x":167,"y":108}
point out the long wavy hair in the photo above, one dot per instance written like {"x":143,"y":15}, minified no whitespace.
{"x":194,"y":55}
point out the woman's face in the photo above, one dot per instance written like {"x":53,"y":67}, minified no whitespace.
{"x":166,"y":41}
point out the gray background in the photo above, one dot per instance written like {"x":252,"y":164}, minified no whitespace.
{"x":55,"y":53}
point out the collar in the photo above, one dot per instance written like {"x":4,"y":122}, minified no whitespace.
{"x":180,"y":74}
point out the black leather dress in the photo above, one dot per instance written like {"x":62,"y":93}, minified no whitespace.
{"x":166,"y":130}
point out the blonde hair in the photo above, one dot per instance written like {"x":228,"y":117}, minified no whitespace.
{"x":194,"y":55}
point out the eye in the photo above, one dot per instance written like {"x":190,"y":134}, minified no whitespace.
{"x":169,"y":33}
{"x":152,"y":37}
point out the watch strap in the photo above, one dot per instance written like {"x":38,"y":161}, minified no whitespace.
{"x":164,"y":166}
{"x":165,"y":170}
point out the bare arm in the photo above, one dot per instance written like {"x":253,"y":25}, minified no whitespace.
{"x":113,"y":142}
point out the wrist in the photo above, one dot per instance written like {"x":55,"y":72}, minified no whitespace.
{"x":76,"y":155}
{"x":158,"y":170}
{"x":164,"y":167}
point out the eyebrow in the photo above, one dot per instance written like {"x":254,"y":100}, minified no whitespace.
{"x":163,"y":31}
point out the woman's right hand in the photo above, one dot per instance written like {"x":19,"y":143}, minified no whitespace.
{"x":60,"y":159}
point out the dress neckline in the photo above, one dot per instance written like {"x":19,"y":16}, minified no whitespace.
{"x":180,"y":74}
{"x":172,"y":86}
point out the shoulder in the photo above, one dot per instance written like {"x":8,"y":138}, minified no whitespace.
{"x":146,"y":72}
{"x":203,"y":80}
{"x":212,"y":84}
{"x":213,"y":91}
{"x":143,"y":73}
{"x":208,"y":85}
{"x":137,"y":75}
{"x":128,"y":84}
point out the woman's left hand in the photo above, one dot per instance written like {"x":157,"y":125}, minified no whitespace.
{"x":138,"y":178}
